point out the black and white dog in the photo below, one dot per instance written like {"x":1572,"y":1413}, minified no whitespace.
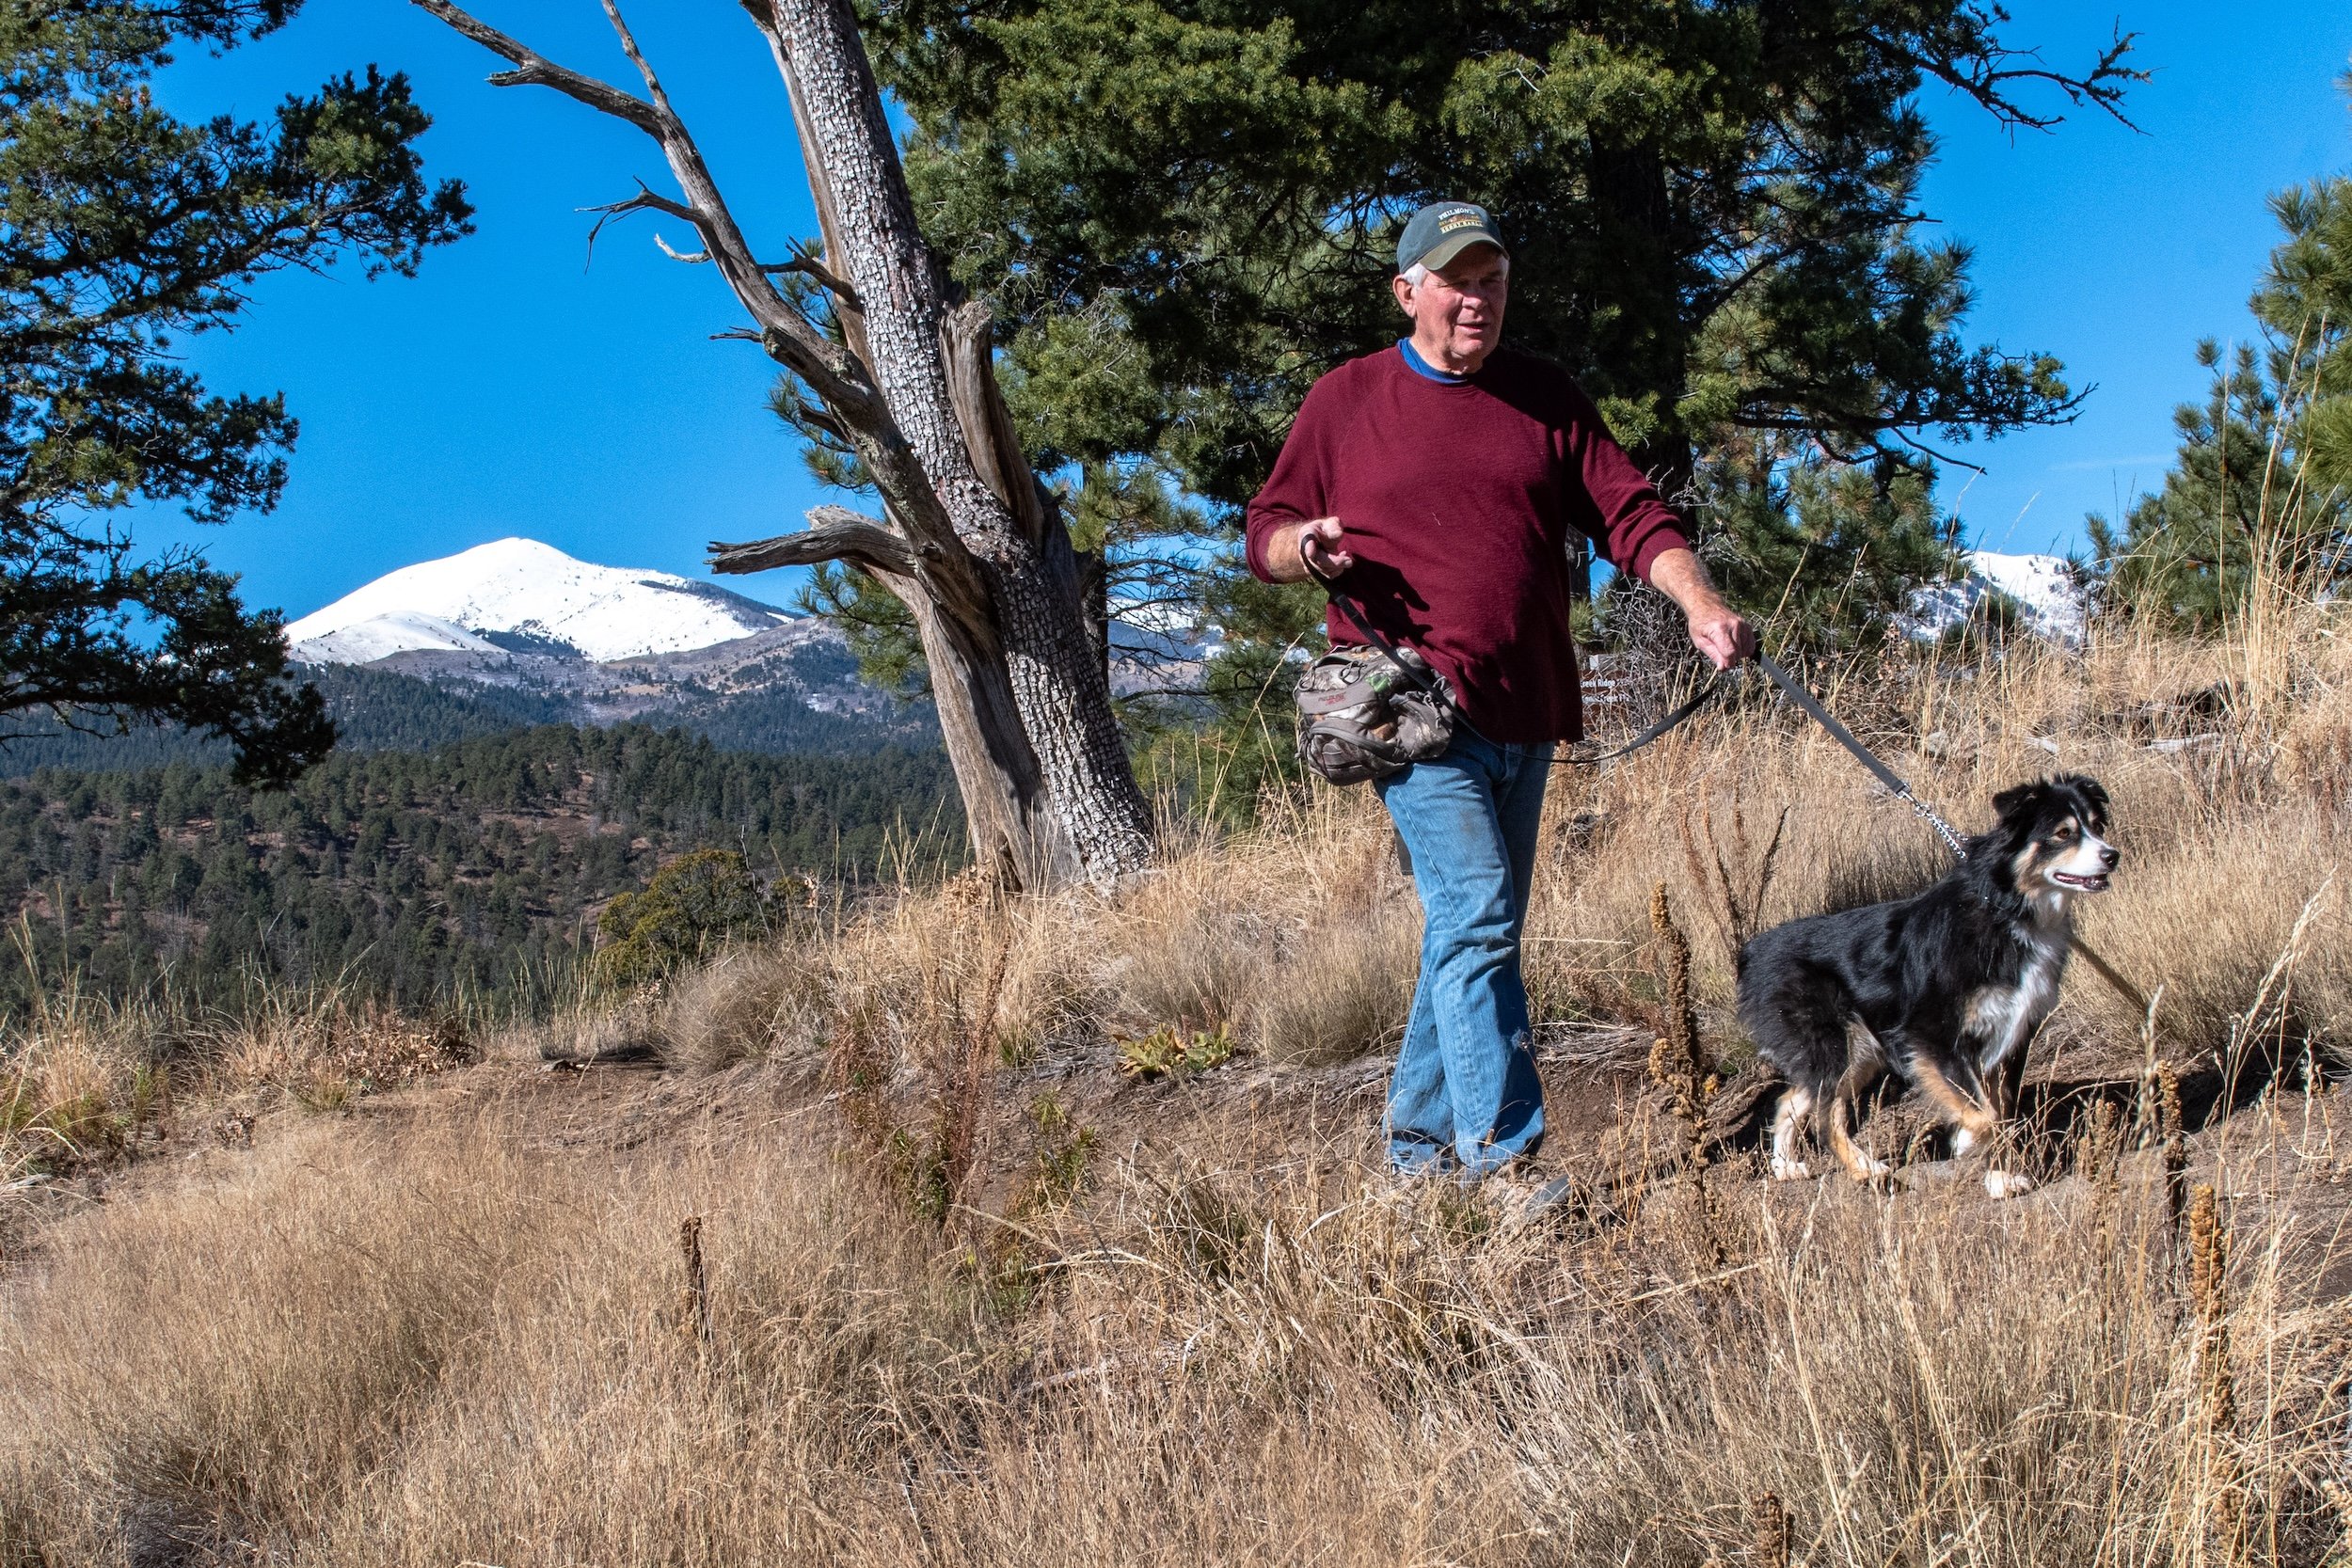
{"x":1943,"y":988}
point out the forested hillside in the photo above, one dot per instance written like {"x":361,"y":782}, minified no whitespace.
{"x":472,"y":867}
{"x":378,"y":710}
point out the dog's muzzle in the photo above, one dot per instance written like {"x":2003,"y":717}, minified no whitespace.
{"x":2089,"y":882}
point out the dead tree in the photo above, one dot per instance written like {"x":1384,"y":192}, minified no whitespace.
{"x":969,"y":539}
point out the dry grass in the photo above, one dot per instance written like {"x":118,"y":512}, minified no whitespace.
{"x":463,"y":1341}
{"x":86,"y":1080}
{"x":1300,"y":938}
{"x":947,"y":1323}
{"x":79,"y":1081}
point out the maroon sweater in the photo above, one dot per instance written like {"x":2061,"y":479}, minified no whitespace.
{"x":1457,"y":500}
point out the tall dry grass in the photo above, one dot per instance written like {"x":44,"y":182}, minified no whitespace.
{"x":86,"y":1079}
{"x":2228,"y":761}
{"x":464,"y":1340}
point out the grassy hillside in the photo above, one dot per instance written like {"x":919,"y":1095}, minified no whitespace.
{"x":965,"y":1287}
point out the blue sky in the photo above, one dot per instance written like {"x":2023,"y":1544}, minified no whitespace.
{"x":2117,"y":251}
{"x":511,"y":389}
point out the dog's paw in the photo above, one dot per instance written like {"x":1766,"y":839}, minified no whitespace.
{"x":1999,"y":1184}
{"x":1790,"y":1170}
{"x":1963,"y":1140}
{"x":1880,"y":1178}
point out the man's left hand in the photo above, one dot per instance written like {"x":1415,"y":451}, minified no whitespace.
{"x":1717,"y":630}
{"x":1722,"y":634}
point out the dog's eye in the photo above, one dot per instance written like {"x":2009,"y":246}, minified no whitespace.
{"x":2065,"y":831}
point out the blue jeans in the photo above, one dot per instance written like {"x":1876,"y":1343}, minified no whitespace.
{"x":1464,"y":1092}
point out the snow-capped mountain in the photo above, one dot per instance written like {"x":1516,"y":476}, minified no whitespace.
{"x":604,"y":644}
{"x":523,"y":592}
{"x":2043,"y":590}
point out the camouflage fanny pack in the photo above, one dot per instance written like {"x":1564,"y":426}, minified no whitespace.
{"x":1365,"y":713}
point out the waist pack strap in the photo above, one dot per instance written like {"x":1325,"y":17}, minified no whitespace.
{"x":1348,"y":606}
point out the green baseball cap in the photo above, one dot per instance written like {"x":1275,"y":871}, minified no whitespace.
{"x":1442,"y":230}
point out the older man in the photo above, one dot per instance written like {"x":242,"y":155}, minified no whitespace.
{"x":1437,"y":483}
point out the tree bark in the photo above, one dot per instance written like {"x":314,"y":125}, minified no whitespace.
{"x":1094,"y":598}
{"x":1007,"y":808}
{"x":932,"y":368}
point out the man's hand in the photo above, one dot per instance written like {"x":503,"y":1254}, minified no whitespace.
{"x":1717,"y":630}
{"x":1291,"y":552}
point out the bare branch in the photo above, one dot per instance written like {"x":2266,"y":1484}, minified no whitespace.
{"x":788,"y":336}
{"x":835,"y":534}
{"x":645,"y":200}
{"x":809,"y":266}
{"x":536,"y":71}
{"x":1971,"y":61}
{"x":691,"y":257}
{"x":628,"y":47}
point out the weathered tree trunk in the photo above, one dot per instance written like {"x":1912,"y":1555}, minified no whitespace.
{"x":1007,"y":806}
{"x":969,"y":540}
{"x":934,"y":372}
{"x":1094,"y":600}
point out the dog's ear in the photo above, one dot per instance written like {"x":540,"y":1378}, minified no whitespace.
{"x":2093,"y":793}
{"x":2020,"y":802}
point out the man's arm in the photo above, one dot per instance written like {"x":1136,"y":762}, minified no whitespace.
{"x":1296,"y":497}
{"x":1717,"y":630}
{"x":1633,"y":528}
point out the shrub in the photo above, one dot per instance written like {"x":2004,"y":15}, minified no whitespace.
{"x":695,"y":904}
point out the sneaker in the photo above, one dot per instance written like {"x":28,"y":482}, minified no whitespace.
{"x":1520,"y":1198}
{"x":1406,"y":1188}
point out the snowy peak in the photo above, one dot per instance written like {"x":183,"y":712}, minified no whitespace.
{"x":2044,"y":589}
{"x":520,"y":592}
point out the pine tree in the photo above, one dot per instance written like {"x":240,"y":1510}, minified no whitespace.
{"x":1184,"y":215}
{"x":122,"y":230}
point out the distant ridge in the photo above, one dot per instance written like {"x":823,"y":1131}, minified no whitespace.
{"x":525,"y":628}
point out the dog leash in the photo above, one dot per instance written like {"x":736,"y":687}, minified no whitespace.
{"x":1863,"y":754}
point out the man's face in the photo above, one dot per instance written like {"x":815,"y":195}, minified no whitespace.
{"x":1457,"y":311}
